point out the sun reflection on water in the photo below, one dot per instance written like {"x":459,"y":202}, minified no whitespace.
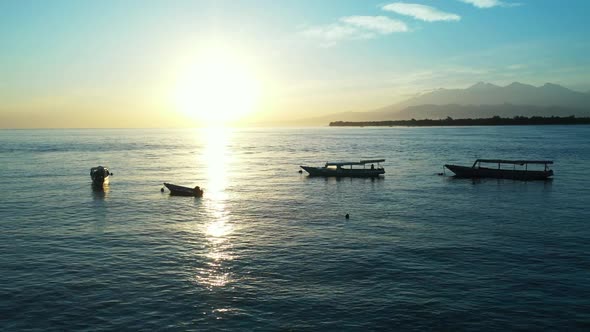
{"x":217,"y":156}
{"x":218,"y":227}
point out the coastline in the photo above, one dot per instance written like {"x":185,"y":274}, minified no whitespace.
{"x":493,"y":121}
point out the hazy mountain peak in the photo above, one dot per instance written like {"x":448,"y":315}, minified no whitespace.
{"x":519,"y":85}
{"x":482,"y":86}
{"x":482,"y":93}
{"x":553,"y":86}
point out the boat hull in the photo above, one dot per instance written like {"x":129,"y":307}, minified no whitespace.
{"x":99,"y":175}
{"x":483,"y":172}
{"x":183,"y":191}
{"x":343,"y":172}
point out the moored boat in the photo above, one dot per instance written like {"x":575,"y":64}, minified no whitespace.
{"x":184,"y":191}
{"x":525,"y":174}
{"x":338,"y":169}
{"x":100,"y":175}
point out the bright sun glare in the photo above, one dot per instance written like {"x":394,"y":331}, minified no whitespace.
{"x":217,"y":89}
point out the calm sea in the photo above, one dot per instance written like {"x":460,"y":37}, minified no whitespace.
{"x":268,"y":248}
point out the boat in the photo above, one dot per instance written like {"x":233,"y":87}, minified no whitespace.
{"x":100,"y":175}
{"x":184,"y":191}
{"x":340,"y":169}
{"x":525,"y":174}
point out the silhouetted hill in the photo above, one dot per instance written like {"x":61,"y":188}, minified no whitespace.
{"x":477,"y":101}
{"x":489,"y":94}
{"x":480,"y":111}
{"x":492,"y":121}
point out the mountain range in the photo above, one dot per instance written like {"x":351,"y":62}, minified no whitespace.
{"x":477,"y":101}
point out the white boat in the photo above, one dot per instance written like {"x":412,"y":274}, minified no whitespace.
{"x":100,"y":175}
{"x":347,"y":169}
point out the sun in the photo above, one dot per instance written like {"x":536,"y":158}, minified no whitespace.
{"x":217,"y":89}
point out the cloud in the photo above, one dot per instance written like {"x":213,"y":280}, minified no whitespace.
{"x":332,"y":33}
{"x":421,"y":12}
{"x":380,"y":24}
{"x":490,"y":3}
{"x":354,"y":28}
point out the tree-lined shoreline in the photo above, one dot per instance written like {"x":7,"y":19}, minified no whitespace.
{"x":493,"y":121}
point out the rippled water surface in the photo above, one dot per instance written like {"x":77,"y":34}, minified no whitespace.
{"x":267,"y":248}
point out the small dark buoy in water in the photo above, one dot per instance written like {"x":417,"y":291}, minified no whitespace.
{"x":347,"y":216}
{"x":300,"y":171}
{"x":440,"y":174}
{"x":161,"y":190}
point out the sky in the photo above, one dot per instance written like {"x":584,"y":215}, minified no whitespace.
{"x":91,"y":64}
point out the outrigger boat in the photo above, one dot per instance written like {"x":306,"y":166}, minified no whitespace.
{"x":183,"y":191}
{"x":477,"y":171}
{"x":99,"y":175}
{"x":338,"y":169}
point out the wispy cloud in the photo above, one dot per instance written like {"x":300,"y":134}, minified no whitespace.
{"x":380,"y":24}
{"x":421,"y":12}
{"x":331,"y":34}
{"x":354,"y":28}
{"x":490,"y":3}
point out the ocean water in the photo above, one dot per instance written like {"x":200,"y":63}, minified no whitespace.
{"x":269,"y":249}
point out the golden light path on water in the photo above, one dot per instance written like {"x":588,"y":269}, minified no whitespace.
{"x":217,"y":226}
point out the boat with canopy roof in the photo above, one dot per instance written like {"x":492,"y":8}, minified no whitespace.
{"x":502,"y":172}
{"x":346,"y":169}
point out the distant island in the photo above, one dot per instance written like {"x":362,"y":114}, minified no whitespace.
{"x":481,"y":100}
{"x":493,"y":121}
